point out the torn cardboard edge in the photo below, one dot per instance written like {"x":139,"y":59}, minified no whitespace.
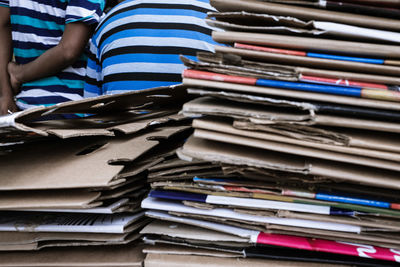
{"x":305,"y":13}
{"x":63,"y":166}
{"x":223,"y":126}
{"x":240,"y":155}
{"x":264,"y":91}
{"x":269,"y":115}
{"x":256,"y":22}
{"x":316,"y":63}
{"x":98,"y":105}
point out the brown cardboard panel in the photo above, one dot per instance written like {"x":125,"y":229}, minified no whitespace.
{"x":178,"y":230}
{"x":317,"y":63}
{"x":267,"y":91}
{"x":242,"y":155}
{"x":226,"y":127}
{"x":19,"y":123}
{"x":309,"y":44}
{"x":162,"y":249}
{"x":16,"y":238}
{"x":305,"y":13}
{"x":221,"y":60}
{"x":126,"y":255}
{"x":335,"y":136}
{"x":263,"y":115}
{"x":377,"y":222}
{"x":50,"y":199}
{"x":63,"y":165}
{"x":297,"y":150}
{"x":160,"y":260}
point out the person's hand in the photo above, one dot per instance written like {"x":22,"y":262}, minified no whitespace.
{"x":7,"y":104}
{"x":14,"y":80}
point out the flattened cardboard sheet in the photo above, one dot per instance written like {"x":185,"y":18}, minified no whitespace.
{"x":126,"y":255}
{"x":247,"y":156}
{"x":163,"y":249}
{"x":56,"y":199}
{"x":160,"y":260}
{"x":305,"y":13}
{"x":224,"y":126}
{"x":264,"y":91}
{"x":266,"y":115}
{"x":317,"y":63}
{"x":18,"y":124}
{"x":74,"y":164}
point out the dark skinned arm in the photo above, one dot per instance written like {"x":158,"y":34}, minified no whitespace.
{"x":54,"y":60}
{"x":6,"y":95}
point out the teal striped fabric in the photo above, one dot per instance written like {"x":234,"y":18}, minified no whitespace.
{"x":38,"y":25}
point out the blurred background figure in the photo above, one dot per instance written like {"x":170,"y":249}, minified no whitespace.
{"x":47,"y":40}
{"x":138,"y":43}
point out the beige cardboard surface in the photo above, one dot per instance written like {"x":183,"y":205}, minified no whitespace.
{"x":386,"y":105}
{"x":182,"y":250}
{"x":49,"y":199}
{"x":59,"y":165}
{"x":187,"y":231}
{"x":127,"y":255}
{"x":241,"y":155}
{"x":285,"y":70}
{"x":305,"y":13}
{"x":307,"y":61}
{"x":136,"y":99}
{"x":271,"y":115}
{"x":16,"y":238}
{"x":297,"y":150}
{"x":226,"y":127}
{"x":308,"y":43}
{"x":157,"y":260}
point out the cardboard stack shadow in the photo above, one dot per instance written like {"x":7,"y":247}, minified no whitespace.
{"x":69,"y":187}
{"x":300,"y":105}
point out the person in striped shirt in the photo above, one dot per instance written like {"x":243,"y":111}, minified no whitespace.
{"x":138,"y":43}
{"x":47,"y":39}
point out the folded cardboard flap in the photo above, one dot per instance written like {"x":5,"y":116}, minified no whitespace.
{"x":163,"y":249}
{"x":292,"y":94}
{"x":184,"y":231}
{"x":255,"y":22}
{"x":127,"y":255}
{"x":160,"y":260}
{"x":63,"y":199}
{"x":77,"y":163}
{"x":305,"y":13}
{"x":317,"y":63}
{"x":223,"y":126}
{"x":240,"y":155}
{"x":298,"y":150}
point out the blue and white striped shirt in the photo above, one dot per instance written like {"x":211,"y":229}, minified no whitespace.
{"x":138,"y":43}
{"x":38,"y":25}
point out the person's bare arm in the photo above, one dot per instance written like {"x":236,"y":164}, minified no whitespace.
{"x":6,"y":95}
{"x":71,"y":46}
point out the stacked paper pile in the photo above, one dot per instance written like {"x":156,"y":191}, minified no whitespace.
{"x":72,"y":189}
{"x":301,"y":108}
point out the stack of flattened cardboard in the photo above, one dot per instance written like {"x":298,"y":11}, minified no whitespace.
{"x":301,"y":107}
{"x":70,"y":184}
